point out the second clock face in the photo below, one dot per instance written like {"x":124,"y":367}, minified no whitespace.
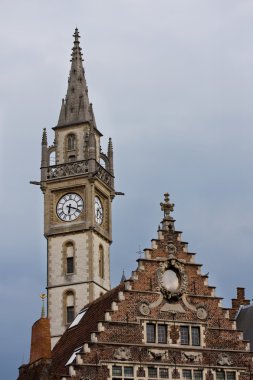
{"x":69,"y":207}
{"x":98,"y":211}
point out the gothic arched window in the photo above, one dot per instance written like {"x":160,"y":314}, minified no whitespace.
{"x":69,"y":258}
{"x":70,"y":307}
{"x":71,"y":142}
{"x":101,"y":262}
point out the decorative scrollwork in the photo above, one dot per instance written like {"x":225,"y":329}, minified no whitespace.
{"x":172,"y":278}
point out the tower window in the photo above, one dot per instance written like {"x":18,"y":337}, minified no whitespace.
{"x":71,"y":142}
{"x":69,"y":258}
{"x":184,"y":330}
{"x":101,"y":262}
{"x":70,"y":264}
{"x":70,"y":307}
{"x":70,"y":314}
{"x":72,"y":158}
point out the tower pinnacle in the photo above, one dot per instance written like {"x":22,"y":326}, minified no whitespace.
{"x":75,"y":108}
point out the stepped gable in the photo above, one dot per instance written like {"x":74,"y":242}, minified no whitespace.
{"x":164,"y":318}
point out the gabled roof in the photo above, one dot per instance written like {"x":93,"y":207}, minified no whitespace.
{"x":76,"y":336}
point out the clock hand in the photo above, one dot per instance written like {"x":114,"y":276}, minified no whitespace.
{"x":75,"y":208}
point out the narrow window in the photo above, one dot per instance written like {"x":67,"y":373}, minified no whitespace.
{"x":230,"y":375}
{"x":101,"y":262}
{"x":220,"y":375}
{"x":70,"y":307}
{"x":69,"y":258}
{"x":71,"y":145}
{"x":128,"y":371}
{"x":116,"y":370}
{"x":162,"y":334}
{"x":70,"y":265}
{"x":184,"y":334}
{"x":152,"y":372}
{"x":197,"y":374}
{"x":151,"y":332}
{"x":187,"y":374}
{"x":195,"y":336}
{"x":163,"y":373}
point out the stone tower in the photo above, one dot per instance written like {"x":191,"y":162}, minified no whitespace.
{"x":78,"y":189}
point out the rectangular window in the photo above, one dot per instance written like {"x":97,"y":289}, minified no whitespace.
{"x":184,"y":335}
{"x":187,"y":374}
{"x":195,"y":331}
{"x":128,"y":371}
{"x":197,"y":374}
{"x":70,"y":264}
{"x":152,"y":372}
{"x":70,"y":314}
{"x":230,"y":375}
{"x":163,"y":373}
{"x":220,"y":375}
{"x":151,"y":332}
{"x":116,"y":370}
{"x":162,"y":333}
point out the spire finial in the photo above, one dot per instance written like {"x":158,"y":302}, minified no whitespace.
{"x":167,"y":207}
{"x":123,"y":277}
{"x":76,"y":108}
{"x":43,"y":296}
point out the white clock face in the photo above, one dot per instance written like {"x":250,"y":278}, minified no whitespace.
{"x":69,"y":207}
{"x":98,"y":211}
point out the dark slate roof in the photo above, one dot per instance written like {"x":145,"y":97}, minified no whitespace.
{"x":244,"y":322}
{"x":76,"y":336}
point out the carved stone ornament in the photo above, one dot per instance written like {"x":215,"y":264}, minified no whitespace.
{"x":172,"y":279}
{"x":122,"y":353}
{"x":191,"y":357}
{"x":144,"y":308}
{"x":224,"y":359}
{"x":158,"y":354}
{"x":174,"y":334}
{"x":172,"y":249}
{"x":201,"y":313}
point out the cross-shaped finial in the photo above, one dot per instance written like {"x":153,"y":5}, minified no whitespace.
{"x":166,"y":206}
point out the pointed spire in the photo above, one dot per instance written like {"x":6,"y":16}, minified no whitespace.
{"x":110,"y":156}
{"x":76,"y":106}
{"x":123,"y":277}
{"x":44,"y":137}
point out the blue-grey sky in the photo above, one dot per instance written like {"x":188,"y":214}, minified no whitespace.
{"x":171,"y":82}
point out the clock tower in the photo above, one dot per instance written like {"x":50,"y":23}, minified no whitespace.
{"x":77,"y":181}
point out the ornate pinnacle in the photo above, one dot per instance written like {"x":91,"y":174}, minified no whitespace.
{"x":44,"y":137}
{"x":166,"y":206}
{"x":43,"y":296}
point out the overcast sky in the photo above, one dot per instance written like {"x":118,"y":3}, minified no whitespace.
{"x":171,"y":82}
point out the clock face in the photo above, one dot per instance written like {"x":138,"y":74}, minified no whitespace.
{"x":69,"y":207}
{"x":98,"y":211}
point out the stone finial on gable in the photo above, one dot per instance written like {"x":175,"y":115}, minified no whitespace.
{"x":167,"y":207}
